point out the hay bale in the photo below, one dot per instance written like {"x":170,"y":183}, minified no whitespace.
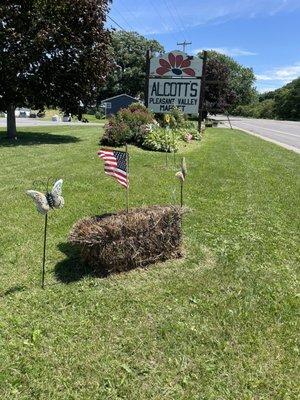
{"x":123,"y":241}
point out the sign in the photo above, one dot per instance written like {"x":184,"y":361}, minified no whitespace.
{"x":176,"y":64}
{"x":165,"y":94}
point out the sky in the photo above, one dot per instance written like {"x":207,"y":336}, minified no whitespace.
{"x":261,"y":34}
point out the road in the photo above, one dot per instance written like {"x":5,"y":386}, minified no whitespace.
{"x":283,"y":133}
{"x":37,"y":122}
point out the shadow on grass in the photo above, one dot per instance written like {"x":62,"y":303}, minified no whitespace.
{"x":36,"y":138}
{"x":72,"y":269}
{"x":12,"y":290}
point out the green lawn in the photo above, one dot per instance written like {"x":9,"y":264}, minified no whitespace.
{"x":219,"y":324}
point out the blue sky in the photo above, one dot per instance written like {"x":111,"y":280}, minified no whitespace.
{"x":262,"y":34}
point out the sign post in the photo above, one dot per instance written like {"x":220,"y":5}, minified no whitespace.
{"x":202,"y":94}
{"x":148,"y":56}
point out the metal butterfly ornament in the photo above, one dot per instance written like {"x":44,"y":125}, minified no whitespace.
{"x":50,"y":200}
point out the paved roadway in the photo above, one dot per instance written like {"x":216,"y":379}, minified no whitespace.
{"x":37,"y":122}
{"x":284,"y":133}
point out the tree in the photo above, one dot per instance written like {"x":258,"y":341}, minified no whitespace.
{"x":229,"y":84}
{"x":128,"y":50}
{"x":52,"y":53}
{"x":287,"y":101}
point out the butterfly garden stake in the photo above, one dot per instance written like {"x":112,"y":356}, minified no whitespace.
{"x":44,"y":203}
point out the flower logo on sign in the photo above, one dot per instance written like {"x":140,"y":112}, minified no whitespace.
{"x":175,"y":64}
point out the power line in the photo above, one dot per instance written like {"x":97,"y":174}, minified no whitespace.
{"x":170,"y":11}
{"x":180,"y":19}
{"x":116,"y":23}
{"x":129,"y":11}
{"x":124,"y":19}
{"x":160,"y":17}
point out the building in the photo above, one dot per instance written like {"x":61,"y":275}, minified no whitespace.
{"x":113,"y":104}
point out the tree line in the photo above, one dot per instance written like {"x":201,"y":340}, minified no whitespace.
{"x":283,"y":103}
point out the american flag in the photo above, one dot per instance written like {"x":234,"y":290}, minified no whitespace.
{"x":115,"y":164}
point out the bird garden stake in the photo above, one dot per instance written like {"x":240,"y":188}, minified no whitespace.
{"x":44,"y":203}
{"x":167,"y":121}
{"x":181,"y":175}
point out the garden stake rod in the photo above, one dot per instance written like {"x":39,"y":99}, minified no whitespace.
{"x":166,"y":148}
{"x":174,"y":155}
{"x":181,"y":193}
{"x":44,"y":251}
{"x":45,"y":242}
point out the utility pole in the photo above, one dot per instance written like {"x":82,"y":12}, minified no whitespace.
{"x":184,"y":45}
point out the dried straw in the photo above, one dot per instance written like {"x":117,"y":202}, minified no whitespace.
{"x":122,"y":241}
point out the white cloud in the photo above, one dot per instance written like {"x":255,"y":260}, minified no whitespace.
{"x":264,"y":89}
{"x":281,"y":74}
{"x":180,"y":16}
{"x":228,"y":51}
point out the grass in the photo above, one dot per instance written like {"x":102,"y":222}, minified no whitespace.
{"x":219,"y":324}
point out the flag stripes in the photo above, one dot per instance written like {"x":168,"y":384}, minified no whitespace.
{"x":115,"y":165}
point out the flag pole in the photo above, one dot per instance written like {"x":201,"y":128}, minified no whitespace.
{"x":127,"y":177}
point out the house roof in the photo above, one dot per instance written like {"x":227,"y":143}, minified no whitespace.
{"x":119,"y":95}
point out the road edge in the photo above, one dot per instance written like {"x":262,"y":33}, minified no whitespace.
{"x":286,"y":146}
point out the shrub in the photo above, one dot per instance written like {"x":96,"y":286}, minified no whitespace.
{"x":135,"y":119}
{"x":188,"y":134}
{"x":177,"y":119}
{"x":131,"y":122}
{"x":116,"y":133}
{"x":137,"y":107}
{"x":99,"y":114}
{"x":160,"y":139}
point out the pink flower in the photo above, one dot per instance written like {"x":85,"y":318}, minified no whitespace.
{"x":176,"y":64}
{"x":188,"y":137}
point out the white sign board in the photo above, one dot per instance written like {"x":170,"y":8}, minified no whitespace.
{"x":176,"y":64}
{"x":164,"y":94}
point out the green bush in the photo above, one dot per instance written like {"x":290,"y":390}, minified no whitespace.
{"x":99,"y":114}
{"x":188,"y":134}
{"x":160,"y":139}
{"x":135,"y":118}
{"x":177,"y":119}
{"x":116,"y":133}
{"x":129,"y":125}
{"x":137,"y":107}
